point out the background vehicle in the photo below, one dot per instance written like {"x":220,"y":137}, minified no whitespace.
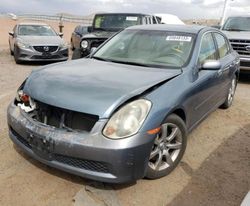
{"x":77,"y":35}
{"x":107,"y":24}
{"x":125,"y":112}
{"x":37,"y":42}
{"x":170,"y":19}
{"x":237,"y":29}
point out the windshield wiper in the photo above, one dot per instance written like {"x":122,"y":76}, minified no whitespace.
{"x":129,"y":63}
{"x":100,"y":58}
{"x":232,"y":29}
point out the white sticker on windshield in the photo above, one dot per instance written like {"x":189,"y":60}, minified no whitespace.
{"x":131,"y":18}
{"x":179,"y":38}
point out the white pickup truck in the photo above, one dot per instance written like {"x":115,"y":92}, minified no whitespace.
{"x":237,"y":29}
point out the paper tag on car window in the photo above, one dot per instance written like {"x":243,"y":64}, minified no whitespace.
{"x":131,"y":18}
{"x":179,"y":38}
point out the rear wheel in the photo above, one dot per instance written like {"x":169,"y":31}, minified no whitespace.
{"x":168,"y":149}
{"x":231,"y":93}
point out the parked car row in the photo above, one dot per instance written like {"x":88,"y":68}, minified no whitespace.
{"x":39,"y":42}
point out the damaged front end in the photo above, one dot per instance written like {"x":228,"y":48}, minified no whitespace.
{"x":73,"y":141}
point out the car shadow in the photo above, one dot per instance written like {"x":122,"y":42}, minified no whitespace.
{"x":244,"y":78}
{"x":223,"y":179}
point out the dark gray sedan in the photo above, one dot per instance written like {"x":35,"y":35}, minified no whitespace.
{"x":37,"y":42}
{"x":125,"y":112}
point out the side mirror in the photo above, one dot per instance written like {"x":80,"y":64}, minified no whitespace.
{"x":211,"y":65}
{"x":11,"y":33}
{"x":92,"y":50}
{"x":89,"y":29}
{"x":60,"y":34}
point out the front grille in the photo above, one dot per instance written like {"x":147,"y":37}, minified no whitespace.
{"x":96,"y":43}
{"x":45,"y":57}
{"x":82,"y":164}
{"x":20,"y":138}
{"x":245,"y":64}
{"x":241,"y":46}
{"x":45,"y":48}
{"x":63,"y":118}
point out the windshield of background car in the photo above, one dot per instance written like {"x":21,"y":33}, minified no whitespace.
{"x":237,"y":24}
{"x":35,"y":30}
{"x":148,"y":48}
{"x":116,"y":21}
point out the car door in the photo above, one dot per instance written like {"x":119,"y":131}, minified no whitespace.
{"x":206,"y":83}
{"x":228,"y":63}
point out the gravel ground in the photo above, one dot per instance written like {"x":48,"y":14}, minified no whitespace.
{"x":214,"y":171}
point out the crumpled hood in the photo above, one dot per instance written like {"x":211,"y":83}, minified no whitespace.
{"x":92,"y":86}
{"x":41,"y":40}
{"x":244,"y":35}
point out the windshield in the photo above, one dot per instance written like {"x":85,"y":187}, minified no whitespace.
{"x":115,"y":21}
{"x":148,"y":48}
{"x":237,"y":24}
{"x":35,"y":30}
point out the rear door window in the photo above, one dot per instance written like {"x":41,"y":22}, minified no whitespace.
{"x":223,"y":47}
{"x":208,"y":49}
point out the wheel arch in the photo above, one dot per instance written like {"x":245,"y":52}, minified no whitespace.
{"x":179,"y":112}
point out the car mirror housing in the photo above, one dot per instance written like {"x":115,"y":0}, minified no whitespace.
{"x":60,"y":34}
{"x":211,"y":65}
{"x":11,"y":33}
{"x":93,"y":49}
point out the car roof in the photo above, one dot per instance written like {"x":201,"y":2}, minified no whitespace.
{"x":167,"y":27}
{"x":33,"y":23}
{"x":241,"y":16}
{"x":140,"y":14}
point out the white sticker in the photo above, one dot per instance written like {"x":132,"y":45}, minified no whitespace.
{"x":131,"y":18}
{"x":179,"y":38}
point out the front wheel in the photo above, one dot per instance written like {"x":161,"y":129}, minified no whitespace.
{"x":16,"y":56}
{"x":231,"y":93}
{"x":168,"y":149}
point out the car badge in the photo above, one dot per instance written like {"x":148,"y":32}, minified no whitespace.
{"x":248,"y":48}
{"x":46,"y":48}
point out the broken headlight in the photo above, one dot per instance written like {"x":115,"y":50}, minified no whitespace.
{"x":128,"y":120}
{"x":24,"y":101}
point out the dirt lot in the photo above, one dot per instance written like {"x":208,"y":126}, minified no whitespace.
{"x":215,"y":169}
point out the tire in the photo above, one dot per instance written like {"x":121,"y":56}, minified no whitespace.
{"x":230,"y":95}
{"x":11,"y":52}
{"x":77,"y":54}
{"x":169,"y":147}
{"x":16,"y":56}
{"x":72,"y":45}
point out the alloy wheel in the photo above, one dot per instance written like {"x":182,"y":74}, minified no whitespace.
{"x":166,"y":148}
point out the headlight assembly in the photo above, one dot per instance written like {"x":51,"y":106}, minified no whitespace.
{"x":23,"y":45}
{"x":84,"y":44}
{"x":64,"y":45}
{"x":128,"y":120}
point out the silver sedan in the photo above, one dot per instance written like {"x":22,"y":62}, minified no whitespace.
{"x":37,"y":42}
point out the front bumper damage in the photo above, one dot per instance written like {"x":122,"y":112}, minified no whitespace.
{"x":87,"y":154}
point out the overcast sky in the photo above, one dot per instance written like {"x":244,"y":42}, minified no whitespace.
{"x":185,"y":9}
